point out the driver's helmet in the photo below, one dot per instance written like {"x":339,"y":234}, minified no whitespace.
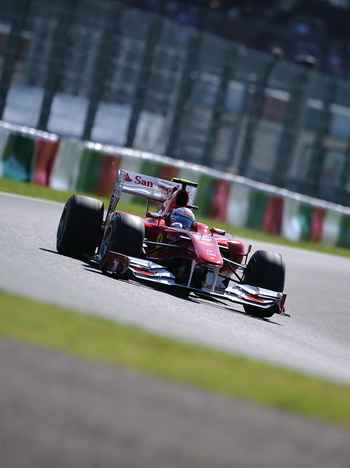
{"x":183,"y":216}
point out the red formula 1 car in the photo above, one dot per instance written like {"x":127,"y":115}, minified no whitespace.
{"x":168,"y":246}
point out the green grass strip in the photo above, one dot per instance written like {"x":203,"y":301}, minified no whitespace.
{"x":219,"y":372}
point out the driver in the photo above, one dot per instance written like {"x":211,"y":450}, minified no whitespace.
{"x":183,"y":218}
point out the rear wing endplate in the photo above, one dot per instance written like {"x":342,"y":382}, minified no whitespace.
{"x":149,"y":187}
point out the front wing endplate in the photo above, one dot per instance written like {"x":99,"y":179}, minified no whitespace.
{"x":144,"y":269}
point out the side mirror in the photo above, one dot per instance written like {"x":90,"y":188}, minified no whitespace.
{"x":150,"y":214}
{"x":214,"y":230}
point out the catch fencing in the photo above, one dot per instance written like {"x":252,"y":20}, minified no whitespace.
{"x":107,"y":73}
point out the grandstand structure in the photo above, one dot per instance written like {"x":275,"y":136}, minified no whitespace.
{"x":300,"y":27}
{"x":256,"y":88}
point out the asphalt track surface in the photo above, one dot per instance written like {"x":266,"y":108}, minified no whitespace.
{"x":58,"y":410}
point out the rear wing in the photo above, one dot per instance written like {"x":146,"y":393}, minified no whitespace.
{"x":152,"y":188}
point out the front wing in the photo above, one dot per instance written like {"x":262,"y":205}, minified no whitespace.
{"x":142,"y":269}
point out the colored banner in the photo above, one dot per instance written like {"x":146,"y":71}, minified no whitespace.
{"x":44,"y":158}
{"x":151,"y":168}
{"x":238,"y":205}
{"x":304,"y":217}
{"x":257,"y":208}
{"x":330,"y":228}
{"x":107,"y":175}
{"x":168,"y":172}
{"x":18,"y":158}
{"x":290,"y":222}
{"x":4,"y":135}
{"x":66,"y":168}
{"x":272,"y":221}
{"x":74,"y":165}
{"x":344,"y":232}
{"x":219,"y":202}
{"x":90,"y":164}
{"x":206,"y":185}
{"x":317,"y":221}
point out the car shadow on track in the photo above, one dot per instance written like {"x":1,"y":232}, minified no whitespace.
{"x":49,"y":251}
{"x":180,"y":293}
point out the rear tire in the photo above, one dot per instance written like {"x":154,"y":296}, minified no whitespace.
{"x":125,"y":234}
{"x":80,"y":228}
{"x":267,"y":270}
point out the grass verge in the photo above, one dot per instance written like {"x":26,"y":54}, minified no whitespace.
{"x":219,"y":372}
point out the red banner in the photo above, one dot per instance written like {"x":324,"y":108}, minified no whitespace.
{"x":44,"y":158}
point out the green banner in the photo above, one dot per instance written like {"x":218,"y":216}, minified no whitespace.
{"x":256,"y":210}
{"x":90,"y":165}
{"x":151,"y":168}
{"x":304,"y":216}
{"x":344,"y":232}
{"x":204,"y":195}
{"x":18,"y":158}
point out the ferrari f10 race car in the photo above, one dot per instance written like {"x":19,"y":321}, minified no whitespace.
{"x":168,"y":246}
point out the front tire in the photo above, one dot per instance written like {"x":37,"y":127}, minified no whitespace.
{"x":124,"y":234}
{"x":80,"y":228}
{"x":267,"y":270}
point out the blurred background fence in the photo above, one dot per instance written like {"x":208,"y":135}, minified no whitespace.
{"x":115,"y":74}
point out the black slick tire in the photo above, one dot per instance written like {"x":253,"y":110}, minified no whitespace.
{"x":124,"y":234}
{"x":267,"y":270}
{"x":79,"y":231}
